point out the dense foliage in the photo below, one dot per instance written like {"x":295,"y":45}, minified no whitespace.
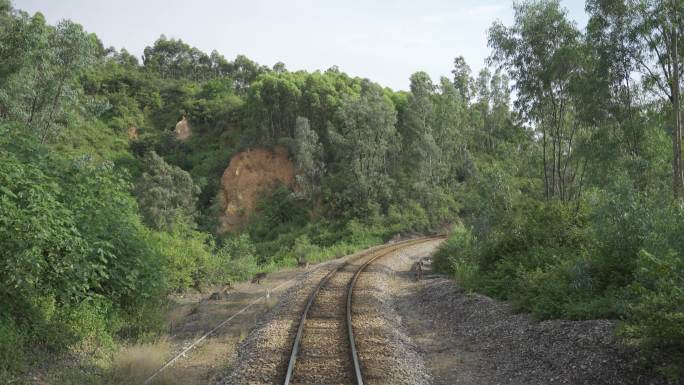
{"x":578,"y":220}
{"x":566,"y":201}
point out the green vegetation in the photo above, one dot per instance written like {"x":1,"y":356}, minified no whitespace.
{"x":566,"y":201}
{"x":575,"y":218}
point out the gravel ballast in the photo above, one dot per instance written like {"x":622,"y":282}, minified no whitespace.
{"x":432,"y":332}
{"x":467,"y":338}
{"x":387,"y":354}
{"x":263,"y":356}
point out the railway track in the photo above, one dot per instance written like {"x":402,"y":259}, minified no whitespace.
{"x":324,"y":350}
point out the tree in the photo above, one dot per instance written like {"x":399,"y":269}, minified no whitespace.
{"x":364,"y":137}
{"x":656,"y":26}
{"x":279,"y":68}
{"x":421,"y":150}
{"x":244,"y":71}
{"x":542,"y":53}
{"x":309,"y":165}
{"x":273,"y":105}
{"x":174,"y":59}
{"x":450,"y":132}
{"x":462,"y":78}
{"x":165,"y":193}
{"x":39,"y":73}
{"x":73,"y":51}
{"x":491,"y":115}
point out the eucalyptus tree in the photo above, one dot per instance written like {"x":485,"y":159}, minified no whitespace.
{"x":174,"y":59}
{"x":166,"y":193}
{"x":451,"y":132}
{"x":463,"y":80}
{"x":309,"y":166}
{"x":542,"y":53}
{"x":273,"y":103}
{"x":40,"y":69}
{"x":422,"y":154}
{"x":363,"y":137}
{"x":655,"y":29}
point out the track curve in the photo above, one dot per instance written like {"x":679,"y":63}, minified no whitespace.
{"x":324,"y":350}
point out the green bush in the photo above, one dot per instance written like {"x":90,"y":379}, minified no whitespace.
{"x":12,"y":343}
{"x":410,"y":217}
{"x":235,"y":261}
{"x":655,"y":316}
{"x":303,"y":249}
{"x":456,"y":255}
{"x":77,"y":259}
{"x":185,"y":256}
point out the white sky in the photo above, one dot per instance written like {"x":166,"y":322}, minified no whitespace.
{"x":383,"y":40}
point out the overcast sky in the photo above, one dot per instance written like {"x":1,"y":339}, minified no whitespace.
{"x":384,"y":40}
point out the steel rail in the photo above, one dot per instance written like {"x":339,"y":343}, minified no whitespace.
{"x":382,"y":250}
{"x":350,"y":329}
{"x":302,"y":321}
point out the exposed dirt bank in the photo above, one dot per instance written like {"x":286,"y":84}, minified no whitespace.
{"x":183,"y":130}
{"x":249,"y":175}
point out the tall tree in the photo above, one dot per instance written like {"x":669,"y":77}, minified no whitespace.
{"x":450,"y":132}
{"x":40,"y":69}
{"x":656,"y":28}
{"x":273,"y":101}
{"x":462,"y":78}
{"x":309,"y":165}
{"x":166,"y":193}
{"x":542,"y":53}
{"x":422,"y":151}
{"x":364,"y":136}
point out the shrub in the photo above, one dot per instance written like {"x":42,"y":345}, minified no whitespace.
{"x":12,"y":342}
{"x":235,"y":260}
{"x":303,"y":249}
{"x":456,"y":255}
{"x":185,"y":254}
{"x":406,"y":218}
{"x":656,"y":310}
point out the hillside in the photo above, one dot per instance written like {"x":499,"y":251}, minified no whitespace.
{"x":125,"y":181}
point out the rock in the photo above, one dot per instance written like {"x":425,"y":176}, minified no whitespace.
{"x":183,"y":130}
{"x":132,"y":133}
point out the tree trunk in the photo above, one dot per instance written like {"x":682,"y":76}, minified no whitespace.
{"x":677,"y":177}
{"x":546,"y":172}
{"x":48,"y":122}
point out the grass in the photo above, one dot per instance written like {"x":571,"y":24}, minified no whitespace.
{"x":133,"y":364}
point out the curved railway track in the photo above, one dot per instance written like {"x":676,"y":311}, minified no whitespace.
{"x":324,"y":350}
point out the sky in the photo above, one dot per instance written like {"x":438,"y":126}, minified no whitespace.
{"x":383,"y":40}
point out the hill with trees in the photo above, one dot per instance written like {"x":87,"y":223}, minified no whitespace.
{"x":558,"y":170}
